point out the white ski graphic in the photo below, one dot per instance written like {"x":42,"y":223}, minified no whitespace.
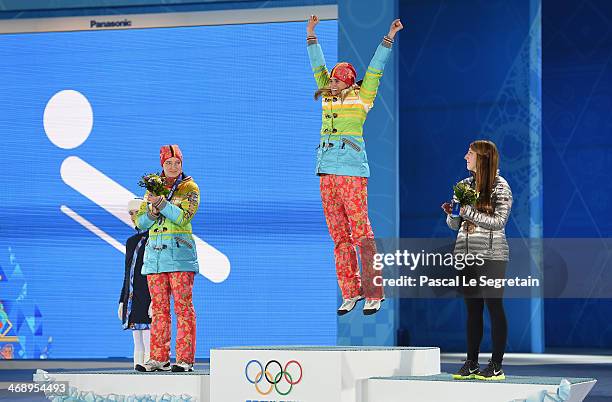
{"x":68,"y":120}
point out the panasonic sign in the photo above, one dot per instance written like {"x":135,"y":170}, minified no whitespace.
{"x":110,"y":24}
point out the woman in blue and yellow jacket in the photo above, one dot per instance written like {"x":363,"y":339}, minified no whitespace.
{"x":342,"y":165}
{"x":170,"y":263}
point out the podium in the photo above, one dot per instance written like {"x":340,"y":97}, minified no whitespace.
{"x":316,"y":374}
{"x":443,"y":387}
{"x":311,"y":374}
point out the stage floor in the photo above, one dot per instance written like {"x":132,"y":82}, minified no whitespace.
{"x":22,"y":371}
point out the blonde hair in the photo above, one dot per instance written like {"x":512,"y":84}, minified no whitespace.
{"x":326,"y":91}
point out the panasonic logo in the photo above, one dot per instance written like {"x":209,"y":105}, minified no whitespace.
{"x":110,"y":24}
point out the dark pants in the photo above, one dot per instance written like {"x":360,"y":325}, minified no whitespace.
{"x":475,"y":301}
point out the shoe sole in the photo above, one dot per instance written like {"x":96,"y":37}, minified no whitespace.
{"x":180,"y":370}
{"x":464,"y":377}
{"x":494,"y":378}
{"x":343,"y":312}
{"x":152,"y":371}
{"x":373,"y":311}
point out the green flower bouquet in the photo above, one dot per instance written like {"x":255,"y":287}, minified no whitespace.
{"x":154,"y":184}
{"x":465,"y":195}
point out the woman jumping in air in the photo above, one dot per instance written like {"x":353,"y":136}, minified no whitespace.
{"x":342,"y":165}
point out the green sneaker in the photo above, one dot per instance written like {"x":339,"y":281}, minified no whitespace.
{"x":492,"y":372}
{"x":468,"y":371}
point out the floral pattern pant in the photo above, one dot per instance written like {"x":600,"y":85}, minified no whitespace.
{"x":180,"y":286}
{"x":345,"y":204}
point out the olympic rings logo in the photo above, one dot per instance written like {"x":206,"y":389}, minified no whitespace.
{"x":273,"y":373}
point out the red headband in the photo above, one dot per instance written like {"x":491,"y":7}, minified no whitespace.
{"x":345,"y":72}
{"x":168,"y":151}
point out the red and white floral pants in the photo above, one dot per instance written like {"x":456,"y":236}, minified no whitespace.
{"x":180,"y":286}
{"x":345,"y":203}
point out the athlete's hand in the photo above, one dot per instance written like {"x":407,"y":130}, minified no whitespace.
{"x":396,"y":26}
{"x":312,"y":23}
{"x":154,"y":199}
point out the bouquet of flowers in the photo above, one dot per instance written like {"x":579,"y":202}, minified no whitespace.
{"x":154,"y":184}
{"x":465,"y":195}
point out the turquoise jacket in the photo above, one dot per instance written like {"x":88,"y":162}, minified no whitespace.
{"x":341,"y":149}
{"x":171,"y":247}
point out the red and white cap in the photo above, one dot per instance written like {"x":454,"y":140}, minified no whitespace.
{"x":169,"y":151}
{"x":345,"y":72}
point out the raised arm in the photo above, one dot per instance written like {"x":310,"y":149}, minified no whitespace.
{"x":315,"y":54}
{"x":371,"y":81}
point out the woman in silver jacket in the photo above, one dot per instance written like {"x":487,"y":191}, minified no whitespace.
{"x":482,"y":232}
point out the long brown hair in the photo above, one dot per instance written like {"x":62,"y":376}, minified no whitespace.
{"x":487,"y":162}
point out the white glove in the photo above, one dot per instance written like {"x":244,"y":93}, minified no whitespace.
{"x":120,"y":312}
{"x":150,"y":310}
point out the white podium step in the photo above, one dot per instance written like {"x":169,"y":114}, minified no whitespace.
{"x":321,"y":374}
{"x":443,"y":387}
{"x":85,"y":385}
{"x":311,"y":374}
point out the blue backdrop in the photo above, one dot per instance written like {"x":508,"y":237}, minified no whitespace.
{"x":360,"y":30}
{"x":238,"y":100}
{"x":577,"y":152}
{"x":458,"y":61}
{"x":468,"y":70}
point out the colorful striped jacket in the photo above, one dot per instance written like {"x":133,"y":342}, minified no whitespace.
{"x":171,"y":247}
{"x":341,"y":149}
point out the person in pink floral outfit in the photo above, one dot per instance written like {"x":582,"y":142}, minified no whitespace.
{"x":342,"y":165}
{"x":170,"y":263}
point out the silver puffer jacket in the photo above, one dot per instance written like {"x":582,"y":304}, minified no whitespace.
{"x":488,"y":237}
